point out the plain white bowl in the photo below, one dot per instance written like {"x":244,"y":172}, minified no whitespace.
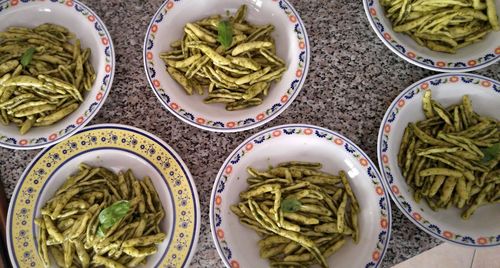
{"x":93,"y":34}
{"x":482,"y":229}
{"x":237,"y":244}
{"x":291,"y":42}
{"x":470,"y":58}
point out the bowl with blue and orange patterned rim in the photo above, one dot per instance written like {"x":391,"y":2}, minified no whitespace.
{"x":470,"y":58}
{"x":237,"y":244}
{"x":292,"y":45}
{"x":482,"y":228}
{"x":92,"y":32}
{"x":116,"y":147}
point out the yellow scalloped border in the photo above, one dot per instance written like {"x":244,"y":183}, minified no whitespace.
{"x":182,"y":242}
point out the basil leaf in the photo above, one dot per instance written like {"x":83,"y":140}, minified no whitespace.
{"x":491,"y":153}
{"x":225,"y":33}
{"x":27,"y":56}
{"x":290,"y":205}
{"x":100,"y":232}
{"x":111,"y":215}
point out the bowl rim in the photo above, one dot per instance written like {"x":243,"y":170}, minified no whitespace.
{"x":100,"y":102}
{"x":269,"y":130}
{"x":180,"y":161}
{"x":379,"y":34}
{"x":225,"y":128}
{"x":383,"y":169}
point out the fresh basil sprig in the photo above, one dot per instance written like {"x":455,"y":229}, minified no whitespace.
{"x":111,"y":215}
{"x":491,"y":152}
{"x":225,"y":33}
{"x":290,"y":205}
{"x":27,"y":56}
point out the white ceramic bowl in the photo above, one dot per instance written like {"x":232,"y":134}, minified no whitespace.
{"x":292,"y":46}
{"x":93,"y":34}
{"x":473,"y":57}
{"x":482,"y":229}
{"x":237,"y":244}
{"x":116,"y":147}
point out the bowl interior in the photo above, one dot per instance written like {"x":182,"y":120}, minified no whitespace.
{"x":484,"y":222}
{"x":260,"y":13}
{"x":82,"y":26}
{"x":115,"y":160}
{"x":242,"y":241}
{"x":479,"y":50}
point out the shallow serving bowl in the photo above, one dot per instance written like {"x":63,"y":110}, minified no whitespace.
{"x":292,"y":46}
{"x":482,"y":228}
{"x":237,"y":245}
{"x":470,"y":58}
{"x":92,"y":32}
{"x":118,"y":148}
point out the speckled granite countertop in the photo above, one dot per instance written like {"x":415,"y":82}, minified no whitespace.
{"x":352,"y":80}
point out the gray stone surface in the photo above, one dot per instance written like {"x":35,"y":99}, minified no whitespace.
{"x":352,"y":80}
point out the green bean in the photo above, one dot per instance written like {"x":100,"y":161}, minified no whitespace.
{"x":455,"y":167}
{"x":442,"y":113}
{"x":183,"y":63}
{"x":28,"y":123}
{"x":333,"y":248}
{"x":144,"y":241}
{"x":444,"y":26}
{"x":275,"y":75}
{"x":58,"y":255}
{"x":437,"y":150}
{"x":79,"y":71}
{"x":82,"y":253}
{"x":253,"y":76}
{"x":260,"y":32}
{"x":54,"y":55}
{"x":240,"y":14}
{"x":341,"y":213}
{"x":492,"y":17}
{"x":201,"y":33}
{"x":272,"y":240}
{"x":448,"y":187}
{"x":214,"y":56}
{"x":298,"y":258}
{"x":247,"y":63}
{"x":477,"y":202}
{"x":271,"y":57}
{"x":440,"y":171}
{"x":238,"y":105}
{"x":65,"y":224}
{"x":144,"y":251}
{"x":42,"y":246}
{"x":355,"y":225}
{"x":254,"y":90}
{"x":436,"y":185}
{"x":445,"y":161}
{"x":8,"y":66}
{"x":348,"y":189}
{"x":315,"y":209}
{"x":461,"y":189}
{"x":409,"y":156}
{"x":181,"y":79}
{"x":80,"y":227}
{"x":426,"y":137}
{"x":264,"y":208}
{"x":254,"y":45}
{"x":80,"y":232}
{"x":108,"y":263}
{"x":404,"y":145}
